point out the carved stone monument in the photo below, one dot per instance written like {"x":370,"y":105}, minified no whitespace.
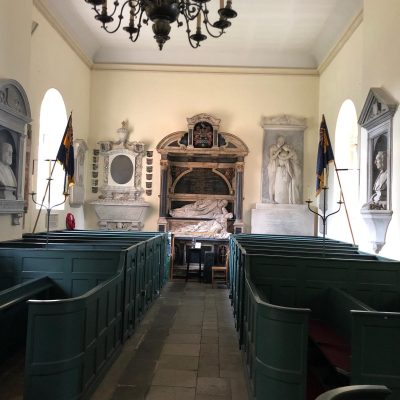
{"x":14,"y":116}
{"x":281,"y":210}
{"x":120,"y":205}
{"x":77,"y":191}
{"x":202,"y":173}
{"x":377,"y":118}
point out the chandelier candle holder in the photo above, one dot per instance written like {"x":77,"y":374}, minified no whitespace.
{"x":324,"y":216}
{"x":48,"y":207}
{"x":162,"y":13}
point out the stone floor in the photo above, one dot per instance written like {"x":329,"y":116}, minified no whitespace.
{"x":185,"y":349}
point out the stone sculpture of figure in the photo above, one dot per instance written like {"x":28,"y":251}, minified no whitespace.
{"x":122,"y":133}
{"x":215,"y":228}
{"x":205,"y":208}
{"x":284,"y":174}
{"x":7,"y":177}
{"x":378,"y":199}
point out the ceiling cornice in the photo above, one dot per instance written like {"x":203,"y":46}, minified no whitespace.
{"x":341,"y":42}
{"x":43,"y":9}
{"x":62,"y":32}
{"x":206,"y":69}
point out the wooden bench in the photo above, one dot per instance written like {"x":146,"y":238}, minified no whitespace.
{"x":104,"y":285}
{"x":330,"y":326}
{"x":14,"y":312}
{"x":23,"y":292}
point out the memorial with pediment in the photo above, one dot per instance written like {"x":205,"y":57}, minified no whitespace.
{"x":201,"y":180}
{"x":377,"y":119}
{"x":15,"y":114}
{"x":120,"y":205}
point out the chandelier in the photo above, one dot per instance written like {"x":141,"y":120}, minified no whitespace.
{"x":162,"y":13}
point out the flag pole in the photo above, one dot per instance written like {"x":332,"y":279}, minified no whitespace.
{"x":44,"y":196}
{"x":60,"y":157}
{"x":344,"y":202}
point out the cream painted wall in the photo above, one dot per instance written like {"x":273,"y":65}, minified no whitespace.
{"x":340,"y":81}
{"x":14,"y":64}
{"x":158,"y":103}
{"x":381,"y":66}
{"x":55,"y":65}
{"x":15,"y":35}
{"x":369,"y":59}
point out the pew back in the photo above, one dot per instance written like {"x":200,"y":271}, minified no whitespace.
{"x":104,"y":288}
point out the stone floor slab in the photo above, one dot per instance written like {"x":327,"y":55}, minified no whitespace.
{"x":213,"y":386}
{"x":171,"y":393}
{"x":181,"y":349}
{"x":186,"y":348}
{"x":174,"y":377}
{"x":168,"y":361}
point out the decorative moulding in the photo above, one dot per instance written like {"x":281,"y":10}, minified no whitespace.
{"x":15,"y":114}
{"x":378,"y":107}
{"x":120,"y":204}
{"x":377,"y":119}
{"x":77,"y":192}
{"x":377,"y":222}
{"x":283,"y":121}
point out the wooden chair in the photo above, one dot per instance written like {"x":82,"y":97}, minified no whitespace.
{"x":219,"y":273}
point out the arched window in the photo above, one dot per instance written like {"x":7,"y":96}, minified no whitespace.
{"x":346,"y":158}
{"x":53,"y":120}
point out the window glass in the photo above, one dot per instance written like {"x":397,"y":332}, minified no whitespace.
{"x":53,"y":120}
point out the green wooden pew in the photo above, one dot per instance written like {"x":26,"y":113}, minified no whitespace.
{"x":147,"y":272}
{"x":13,"y":312}
{"x":159,"y":277}
{"x":244,"y":252}
{"x":275,"y":343}
{"x":100,"y":299}
{"x":299,"y":283}
{"x":72,"y":342}
{"x":102,"y":236}
{"x":240,"y":245}
{"x":275,"y":347}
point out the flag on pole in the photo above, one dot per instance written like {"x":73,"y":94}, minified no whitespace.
{"x":325,"y":156}
{"x":65,"y":153}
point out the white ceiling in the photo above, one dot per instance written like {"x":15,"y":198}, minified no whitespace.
{"x":266,"y":33}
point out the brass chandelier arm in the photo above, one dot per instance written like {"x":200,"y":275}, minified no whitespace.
{"x":162,"y":13}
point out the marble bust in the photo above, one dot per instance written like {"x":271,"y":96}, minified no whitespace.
{"x":7,"y":177}
{"x":378,"y":199}
{"x":204,"y":208}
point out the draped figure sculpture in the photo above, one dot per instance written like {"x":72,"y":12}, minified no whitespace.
{"x":215,"y":228}
{"x":284,"y":174}
{"x":205,"y":208}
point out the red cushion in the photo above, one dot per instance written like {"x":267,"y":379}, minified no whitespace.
{"x":333,"y":346}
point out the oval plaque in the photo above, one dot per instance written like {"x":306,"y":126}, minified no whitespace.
{"x":121,"y":169}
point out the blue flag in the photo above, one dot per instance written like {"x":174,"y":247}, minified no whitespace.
{"x":65,"y":153}
{"x":325,"y":155}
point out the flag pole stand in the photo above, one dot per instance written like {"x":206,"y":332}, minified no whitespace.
{"x":44,"y":195}
{"x":324,"y":216}
{"x":344,"y":203}
{"x":48,"y":207}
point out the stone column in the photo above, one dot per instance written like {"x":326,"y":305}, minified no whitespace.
{"x":163,"y":212}
{"x":238,"y":225}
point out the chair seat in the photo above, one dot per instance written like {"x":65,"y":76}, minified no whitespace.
{"x":215,"y":268}
{"x":219,"y":274}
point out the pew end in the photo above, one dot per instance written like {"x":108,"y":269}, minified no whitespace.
{"x":356,"y":392}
